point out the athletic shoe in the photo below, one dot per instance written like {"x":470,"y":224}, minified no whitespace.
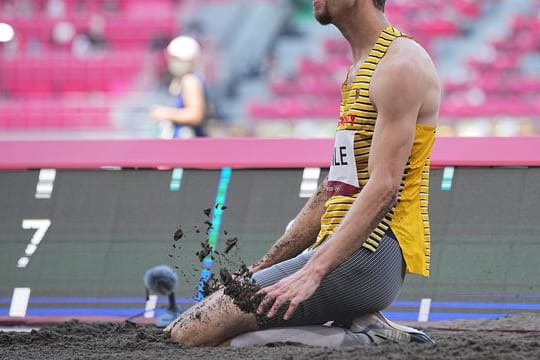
{"x":379,"y":329}
{"x":167,"y":317}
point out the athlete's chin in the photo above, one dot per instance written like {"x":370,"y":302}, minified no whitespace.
{"x":323,"y":18}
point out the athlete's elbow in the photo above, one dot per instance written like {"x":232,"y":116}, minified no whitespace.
{"x":388,"y":189}
{"x":196,"y":118}
{"x":189,"y":116}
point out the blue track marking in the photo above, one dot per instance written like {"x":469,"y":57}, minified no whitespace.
{"x":441,"y":311}
{"x":448,"y":178}
{"x":123,"y":312}
{"x":176,"y":179}
{"x":83,"y":312}
{"x":469,"y":305}
{"x":95,"y":300}
{"x":162,"y":300}
{"x":394,"y":313}
{"x":441,"y":316}
{"x":213,"y":235}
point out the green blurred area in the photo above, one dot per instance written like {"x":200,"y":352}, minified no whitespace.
{"x":303,"y":10}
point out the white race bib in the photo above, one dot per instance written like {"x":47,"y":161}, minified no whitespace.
{"x":343,"y":176}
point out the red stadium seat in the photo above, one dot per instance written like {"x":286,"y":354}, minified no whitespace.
{"x":314,"y":90}
{"x":39,"y":83}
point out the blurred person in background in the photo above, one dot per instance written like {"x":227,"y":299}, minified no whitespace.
{"x":186,"y":118}
{"x":93,"y":40}
{"x":62,"y":35}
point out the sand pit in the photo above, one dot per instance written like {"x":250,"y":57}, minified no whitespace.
{"x":517,"y":337}
{"x":511,"y":338}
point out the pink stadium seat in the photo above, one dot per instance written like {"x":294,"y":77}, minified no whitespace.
{"x":508,"y":91}
{"x":65,"y":73}
{"x":313,"y":91}
{"x":53,"y":114}
{"x":40,"y":85}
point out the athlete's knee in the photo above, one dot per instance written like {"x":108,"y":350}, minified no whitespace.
{"x":186,"y":337}
{"x":177,"y":335}
{"x":184,"y":331}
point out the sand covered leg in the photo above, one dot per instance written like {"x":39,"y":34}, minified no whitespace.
{"x":211,"y":322}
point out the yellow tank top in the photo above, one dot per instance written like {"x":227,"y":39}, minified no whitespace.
{"x":349,"y":169}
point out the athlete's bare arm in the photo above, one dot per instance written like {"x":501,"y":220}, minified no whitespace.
{"x":192,"y":113}
{"x":300,"y":235}
{"x":405,"y":89}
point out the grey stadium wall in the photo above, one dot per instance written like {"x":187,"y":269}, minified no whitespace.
{"x":101,"y":229}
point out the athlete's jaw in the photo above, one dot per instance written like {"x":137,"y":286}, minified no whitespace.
{"x":321,"y":12}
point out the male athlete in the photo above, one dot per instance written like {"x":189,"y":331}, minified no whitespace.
{"x":367,"y":225}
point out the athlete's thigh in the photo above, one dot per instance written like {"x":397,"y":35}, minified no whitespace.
{"x":364,"y":283}
{"x":275,"y":273}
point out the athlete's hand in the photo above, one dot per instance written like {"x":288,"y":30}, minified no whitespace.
{"x":244,"y":272}
{"x":255,"y":268}
{"x":160,"y":113}
{"x":292,"y":290}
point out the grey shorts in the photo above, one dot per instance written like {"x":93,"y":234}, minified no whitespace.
{"x":364,"y":283}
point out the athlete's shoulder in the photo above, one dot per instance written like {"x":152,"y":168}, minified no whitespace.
{"x":407,"y":65}
{"x":190,"y":79}
{"x":191,"y":83}
{"x":407,"y":56}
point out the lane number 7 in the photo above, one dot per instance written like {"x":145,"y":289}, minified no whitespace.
{"x":41,"y":226}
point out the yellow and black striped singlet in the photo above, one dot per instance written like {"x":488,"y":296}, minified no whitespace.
{"x":349,"y":172}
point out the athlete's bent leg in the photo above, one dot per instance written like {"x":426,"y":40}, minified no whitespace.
{"x":364,"y":284}
{"x":211,"y":322}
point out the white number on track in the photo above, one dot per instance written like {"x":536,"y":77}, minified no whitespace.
{"x":41,"y":226}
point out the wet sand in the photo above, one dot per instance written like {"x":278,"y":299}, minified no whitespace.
{"x":517,"y":337}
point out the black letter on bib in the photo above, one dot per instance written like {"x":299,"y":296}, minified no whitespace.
{"x":343,"y":155}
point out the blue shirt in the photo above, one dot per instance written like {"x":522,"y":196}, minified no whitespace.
{"x":199,"y":129}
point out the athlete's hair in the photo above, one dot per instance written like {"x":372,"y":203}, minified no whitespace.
{"x":379,"y":4}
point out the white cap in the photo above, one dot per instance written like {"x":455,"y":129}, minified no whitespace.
{"x":6,"y":32}
{"x":184,"y":48}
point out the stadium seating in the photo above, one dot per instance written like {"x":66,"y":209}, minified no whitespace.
{"x":55,"y":114}
{"x":42,"y":75}
{"x":54,"y":73}
{"x":506,"y":88}
{"x":494,"y":87}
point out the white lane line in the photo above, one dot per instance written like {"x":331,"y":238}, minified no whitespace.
{"x":310,"y":182}
{"x":19,"y":302}
{"x":150,"y":306}
{"x":45,"y":185}
{"x":425,"y":308}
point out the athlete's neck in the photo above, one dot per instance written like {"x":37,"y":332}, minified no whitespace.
{"x":362,"y":28}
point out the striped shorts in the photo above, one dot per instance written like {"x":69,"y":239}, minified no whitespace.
{"x":364,"y":283}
